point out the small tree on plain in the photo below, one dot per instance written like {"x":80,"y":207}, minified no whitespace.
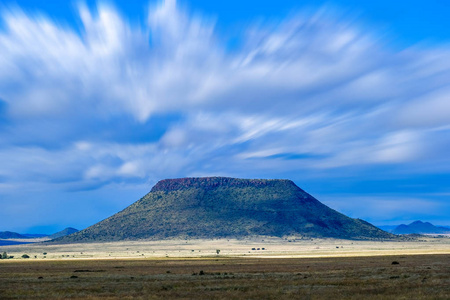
{"x":217,"y":251}
{"x":4,"y":255}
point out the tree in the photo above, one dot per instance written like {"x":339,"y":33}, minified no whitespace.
{"x":4,"y":255}
{"x":217,"y":251}
{"x":25,"y":256}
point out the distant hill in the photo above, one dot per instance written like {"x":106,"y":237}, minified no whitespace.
{"x":221,"y":207}
{"x":14,"y":235}
{"x":387,"y":228}
{"x":421,"y":228}
{"x":35,"y":235}
{"x":11,"y":235}
{"x":64,"y":232}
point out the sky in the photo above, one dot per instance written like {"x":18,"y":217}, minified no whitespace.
{"x":100,"y":100}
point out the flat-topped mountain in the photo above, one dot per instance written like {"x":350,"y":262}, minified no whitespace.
{"x":420,"y":227}
{"x":221,"y":207}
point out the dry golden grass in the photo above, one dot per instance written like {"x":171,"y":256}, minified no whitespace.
{"x":287,"y":268}
{"x":374,"y":277}
{"x":273,"y":247}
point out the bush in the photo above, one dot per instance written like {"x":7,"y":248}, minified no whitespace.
{"x":25,"y":256}
{"x":4,"y":255}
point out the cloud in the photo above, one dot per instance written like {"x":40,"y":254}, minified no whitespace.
{"x":116,"y":103}
{"x":389,"y":209}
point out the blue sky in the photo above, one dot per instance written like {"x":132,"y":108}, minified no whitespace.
{"x":99,"y":101}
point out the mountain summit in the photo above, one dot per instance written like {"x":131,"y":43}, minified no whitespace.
{"x":222,"y":207}
{"x":420,"y":228}
{"x":64,"y":232}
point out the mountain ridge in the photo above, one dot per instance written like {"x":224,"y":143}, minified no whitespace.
{"x":420,"y":227}
{"x":211,"y":182}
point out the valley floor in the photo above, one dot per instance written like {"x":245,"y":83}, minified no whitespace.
{"x":257,"y":247}
{"x":360,"y":277}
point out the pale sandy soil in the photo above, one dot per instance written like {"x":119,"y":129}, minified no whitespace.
{"x":273,"y":247}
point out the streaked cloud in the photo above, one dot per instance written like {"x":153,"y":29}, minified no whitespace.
{"x":117,"y":103}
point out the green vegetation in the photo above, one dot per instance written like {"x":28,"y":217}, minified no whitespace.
{"x":25,"y":256}
{"x":218,"y":207}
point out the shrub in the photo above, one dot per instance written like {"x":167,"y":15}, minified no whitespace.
{"x":25,"y":256}
{"x":4,"y":255}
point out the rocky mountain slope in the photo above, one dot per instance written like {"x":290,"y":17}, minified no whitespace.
{"x":221,"y":207}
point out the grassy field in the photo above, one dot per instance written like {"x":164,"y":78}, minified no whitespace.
{"x":373,"y":277}
{"x":267,"y":247}
{"x":259,"y":268}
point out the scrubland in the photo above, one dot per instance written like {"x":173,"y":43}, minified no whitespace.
{"x":375,"y":277}
{"x":187,"y":269}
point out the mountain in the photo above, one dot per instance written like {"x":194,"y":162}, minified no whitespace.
{"x":15,"y":235}
{"x":222,"y":207}
{"x":11,"y":235}
{"x":64,"y":232}
{"x":420,"y":227}
{"x":387,"y":228}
